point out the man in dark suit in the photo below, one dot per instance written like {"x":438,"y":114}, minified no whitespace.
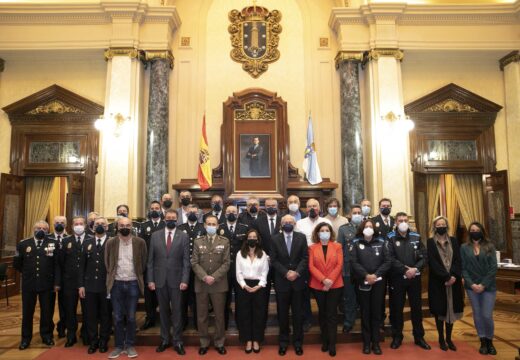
{"x":255,"y":154}
{"x":289,"y":258}
{"x":235,"y":233}
{"x":185,"y":200}
{"x":269,"y":225}
{"x":155,"y":223}
{"x":70,"y":262}
{"x":252,"y":213}
{"x":60,"y":223}
{"x":217,"y":209}
{"x":168,"y":273}
{"x":35,"y":259}
{"x":166,"y":203}
{"x":92,"y":278}
{"x":384,"y":221}
{"x":293,"y":208}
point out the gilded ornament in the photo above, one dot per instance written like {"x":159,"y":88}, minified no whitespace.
{"x":255,"y":110}
{"x":348,"y":56}
{"x":450,"y":105}
{"x":375,"y":54}
{"x":54,"y":107}
{"x":150,"y":55}
{"x":132,"y":53}
{"x":254,"y":37}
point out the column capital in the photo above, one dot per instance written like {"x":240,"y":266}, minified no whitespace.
{"x":376,"y":53}
{"x":512,"y":57}
{"x":150,"y":55}
{"x":131,"y":52}
{"x":355,"y":56}
{"x":2,"y":63}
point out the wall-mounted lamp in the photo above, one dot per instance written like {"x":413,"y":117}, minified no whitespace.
{"x":402,"y":123}
{"x":114,"y":124}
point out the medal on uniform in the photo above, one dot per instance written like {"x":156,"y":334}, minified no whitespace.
{"x":377,"y":224}
{"x":377,"y":252}
{"x":89,"y":247}
{"x":69,"y":246}
{"x":28,"y":249}
{"x":148,"y":229}
{"x":397,"y":243}
{"x":361,"y":246}
{"x":221,"y":231}
{"x":185,"y":231}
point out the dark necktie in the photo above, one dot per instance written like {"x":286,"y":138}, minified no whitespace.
{"x":98,"y":244}
{"x":387,"y":223}
{"x":155,"y":225}
{"x":169,"y":241}
{"x":231,"y":229}
{"x":58,"y":239}
{"x":192,"y":227}
{"x":272,"y":225}
{"x":79,"y":240}
{"x":39,"y":243}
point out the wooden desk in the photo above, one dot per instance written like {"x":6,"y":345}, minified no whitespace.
{"x":507,"y":279}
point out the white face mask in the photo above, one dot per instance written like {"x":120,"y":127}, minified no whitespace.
{"x":293,"y":207}
{"x":79,"y":229}
{"x":403,"y":227}
{"x":368,"y":232}
{"x":357,"y":219}
{"x":365,"y":210}
{"x":324,"y":237}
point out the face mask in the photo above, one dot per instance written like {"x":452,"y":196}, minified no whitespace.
{"x":333,"y":211}
{"x":91,"y":224}
{"x":293,"y":207}
{"x":403,"y":227}
{"x":356,"y":219}
{"x":385,"y":211}
{"x":288,"y":228}
{"x":251,"y":243}
{"x":441,"y":230}
{"x":39,"y":234}
{"x":167,"y":204}
{"x":192,"y":217}
{"x":59,"y":228}
{"x":100,"y":229}
{"x":475,"y":235}
{"x":253,"y":209}
{"x":211,"y":230}
{"x":124,"y":231}
{"x":368,"y":232}
{"x":365,"y":210}
{"x":271,"y":210}
{"x":185,"y":201}
{"x":324,"y":236}
{"x":313,"y":214}
{"x":216,"y":207}
{"x":79,"y":229}
{"x":123,"y":215}
{"x":231,"y":217}
{"x":154,"y":214}
{"x":170,"y":224}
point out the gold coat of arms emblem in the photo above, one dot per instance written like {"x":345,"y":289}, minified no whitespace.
{"x":254,"y":37}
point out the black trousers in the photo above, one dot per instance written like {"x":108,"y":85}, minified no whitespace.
{"x":98,"y":318}
{"x":150,"y":303}
{"x":371,"y":311}
{"x":189,"y":301}
{"x":71,"y":298}
{"x":251,"y":314}
{"x":28,"y":305}
{"x":285,"y":300}
{"x":328,"y":302}
{"x":400,"y":288}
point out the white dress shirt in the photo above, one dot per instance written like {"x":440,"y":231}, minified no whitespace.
{"x":103,"y":238}
{"x":252,"y":270}
{"x":306,"y":226}
{"x":166,"y":231}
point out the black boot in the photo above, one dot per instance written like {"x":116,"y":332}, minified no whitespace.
{"x":451,"y":345}
{"x":440,"y":331}
{"x":490,"y":348}
{"x":483,"y":346}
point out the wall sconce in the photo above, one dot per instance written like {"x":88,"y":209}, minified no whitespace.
{"x":402,"y":123}
{"x":114,"y":124}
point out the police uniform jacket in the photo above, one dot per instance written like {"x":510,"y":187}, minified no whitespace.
{"x":39,"y":266}
{"x":92,"y":274}
{"x":198,"y":231}
{"x":70,"y":261}
{"x":235,"y":239}
{"x":147,"y":228}
{"x":369,"y":257}
{"x":406,"y":251}
{"x":346,"y":233}
{"x":211,"y":258}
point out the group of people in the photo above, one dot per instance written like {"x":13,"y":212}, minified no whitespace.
{"x":183,"y":258}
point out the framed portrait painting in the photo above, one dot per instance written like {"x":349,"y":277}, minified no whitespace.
{"x":255,"y":155}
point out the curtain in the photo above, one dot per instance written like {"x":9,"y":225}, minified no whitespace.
{"x":433,"y":190}
{"x":57,"y":200}
{"x":37,"y":194}
{"x":452,"y":207}
{"x":468,"y":189}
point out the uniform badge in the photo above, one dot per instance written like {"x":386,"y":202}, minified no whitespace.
{"x":221,"y":231}
{"x":185,"y":231}
{"x":361,"y":246}
{"x":377,"y":224}
{"x":148,"y":229}
{"x":89,"y":247}
{"x":69,"y":246}
{"x":397,"y":243}
{"x":28,"y":250}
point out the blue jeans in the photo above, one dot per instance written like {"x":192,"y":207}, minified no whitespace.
{"x":350,"y":304}
{"x":124,"y":297}
{"x":483,"y":305}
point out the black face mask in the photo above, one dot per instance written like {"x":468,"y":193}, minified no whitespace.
{"x":287,"y":228}
{"x":125,"y":231}
{"x":185,"y":201}
{"x":40,"y":234}
{"x":192,"y":217}
{"x":154,"y":214}
{"x":441,"y":230}
{"x":253,"y":209}
{"x":231,"y":217}
{"x":385,"y":211}
{"x":167,"y":204}
{"x":216,"y":207}
{"x":271,"y":210}
{"x":123,"y":215}
{"x":170,"y":224}
{"x":59,"y":228}
{"x":100,"y":229}
{"x":252,"y":243}
{"x":476,"y":235}
{"x":90,"y":224}
{"x":313,"y":214}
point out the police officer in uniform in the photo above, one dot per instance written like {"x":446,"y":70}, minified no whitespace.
{"x":36,"y":260}
{"x":210,"y":262}
{"x":194,"y":229}
{"x":92,"y":278}
{"x":236,"y":233}
{"x":60,"y":223}
{"x":123,"y":210}
{"x":70,"y":262}
{"x":409,"y":257}
{"x":217,"y":209}
{"x":370,"y":263}
{"x":146,"y":230}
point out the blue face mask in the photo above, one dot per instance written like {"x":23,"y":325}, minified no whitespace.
{"x":324,"y":236}
{"x":356,"y":219}
{"x":288,"y":228}
{"x":333,"y":211}
{"x":365,"y":210}
{"x":170,"y":224}
{"x":211,"y":230}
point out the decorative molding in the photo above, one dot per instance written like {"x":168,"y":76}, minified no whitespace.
{"x":356,"y":56}
{"x":150,"y":55}
{"x":54,"y":107}
{"x":375,"y":54}
{"x":2,"y":65}
{"x":133,"y":53}
{"x":512,"y":57}
{"x":254,"y":110}
{"x":450,"y":105}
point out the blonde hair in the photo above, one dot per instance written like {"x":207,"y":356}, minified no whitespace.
{"x":432,"y":230}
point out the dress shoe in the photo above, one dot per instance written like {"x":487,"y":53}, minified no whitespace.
{"x":103,"y":348}
{"x":298,"y":350}
{"x":221,"y":350}
{"x":179,"y":349}
{"x":422,"y":344}
{"x":366,"y":349}
{"x":203,"y":350}
{"x":451,"y":345}
{"x":332,"y":352}
{"x":147,"y":324}
{"x":396,"y":343}
{"x":376,"y":349}
{"x":70,"y":342}
{"x":162,"y":347}
{"x":443,"y":345}
{"x":92,"y":349}
{"x":324,"y":347}
{"x":61,"y":334}
{"x":248,"y":351}
{"x":24,"y":345}
{"x":282,"y":350}
{"x":256,"y":350}
{"x":346,"y":330}
{"x":48,"y":342}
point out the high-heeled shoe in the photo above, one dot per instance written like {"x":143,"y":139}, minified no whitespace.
{"x":256,"y":350}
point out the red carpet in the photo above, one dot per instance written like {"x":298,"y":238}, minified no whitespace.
{"x":350,"y":351}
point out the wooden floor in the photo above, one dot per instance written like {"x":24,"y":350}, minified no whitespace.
{"x":507,"y":330}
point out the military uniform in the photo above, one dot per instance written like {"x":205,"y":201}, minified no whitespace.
{"x":37,"y":262}
{"x":92,"y":275}
{"x":58,"y":238}
{"x":347,"y":233}
{"x":211,"y":257}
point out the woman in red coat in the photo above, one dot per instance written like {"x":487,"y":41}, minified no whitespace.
{"x":326,"y":282}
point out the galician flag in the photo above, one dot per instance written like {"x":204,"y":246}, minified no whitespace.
{"x":204,"y":174}
{"x":310,"y":161}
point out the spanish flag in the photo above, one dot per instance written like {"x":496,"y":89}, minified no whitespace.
{"x":204,"y":175}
